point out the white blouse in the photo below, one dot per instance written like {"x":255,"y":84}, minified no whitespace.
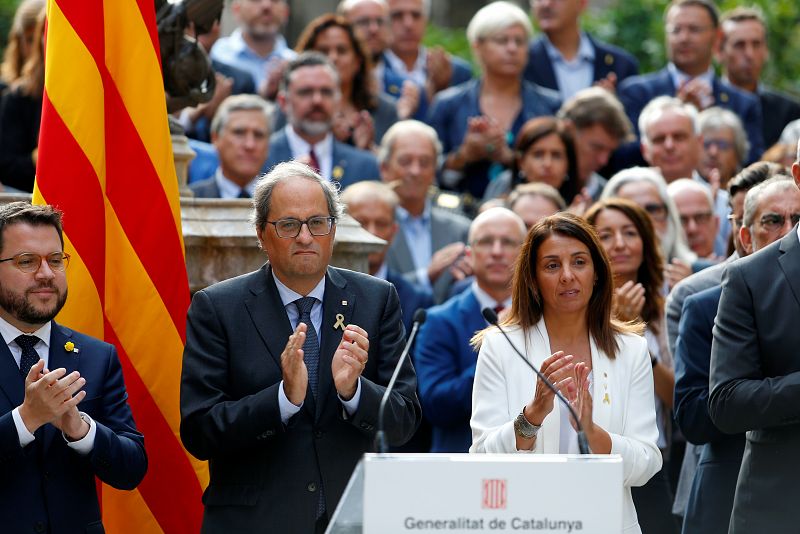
{"x":622,"y":400}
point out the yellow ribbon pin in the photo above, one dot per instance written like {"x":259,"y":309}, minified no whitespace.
{"x":339,"y":322}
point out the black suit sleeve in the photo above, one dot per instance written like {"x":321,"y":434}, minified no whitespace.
{"x":213,"y":421}
{"x":692,"y":355}
{"x":742,"y":398}
{"x":403,"y":413}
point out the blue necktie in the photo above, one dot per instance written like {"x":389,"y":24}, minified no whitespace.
{"x":311,"y":346}
{"x":29,"y":355}
{"x":311,"y":358}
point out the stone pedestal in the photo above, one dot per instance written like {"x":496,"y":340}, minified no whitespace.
{"x":183,"y":155}
{"x":221,"y":242}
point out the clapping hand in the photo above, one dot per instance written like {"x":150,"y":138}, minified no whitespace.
{"x":628,"y":301}
{"x":349,"y":360}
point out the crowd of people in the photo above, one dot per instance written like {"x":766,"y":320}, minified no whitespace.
{"x":611,"y":219}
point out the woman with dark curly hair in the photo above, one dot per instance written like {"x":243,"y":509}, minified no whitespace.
{"x":629,"y":239}
{"x":365,"y":114}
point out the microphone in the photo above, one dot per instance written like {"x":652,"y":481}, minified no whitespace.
{"x":380,"y":436}
{"x":583,"y":444}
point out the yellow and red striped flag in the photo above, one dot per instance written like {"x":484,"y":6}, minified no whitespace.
{"x":105,"y":159}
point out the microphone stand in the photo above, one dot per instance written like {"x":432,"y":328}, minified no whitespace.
{"x":380,"y":436}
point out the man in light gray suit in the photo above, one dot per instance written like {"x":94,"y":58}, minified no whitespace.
{"x":755,"y":377}
{"x":429,"y":248}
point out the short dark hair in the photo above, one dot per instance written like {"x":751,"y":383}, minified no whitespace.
{"x":32,"y":214}
{"x":595,"y":105}
{"x":307,"y":59}
{"x":708,"y":5}
{"x":752,"y":175}
{"x":533,"y":131}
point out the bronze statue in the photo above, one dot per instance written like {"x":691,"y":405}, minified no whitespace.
{"x":188,"y":76}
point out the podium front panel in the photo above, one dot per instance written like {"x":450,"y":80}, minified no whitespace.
{"x":492,"y":493}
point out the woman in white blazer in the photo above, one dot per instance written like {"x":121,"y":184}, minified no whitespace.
{"x":561,"y":319}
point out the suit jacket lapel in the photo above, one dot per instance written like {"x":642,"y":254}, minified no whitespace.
{"x":400,"y":254}
{"x":665,"y":85}
{"x":339,"y":304}
{"x":59,"y":357}
{"x":603,"y":60}
{"x":603,"y":391}
{"x":269,"y":317}
{"x":440,"y":236}
{"x":789,"y":261}
{"x":11,"y":383}
{"x":542,"y":64}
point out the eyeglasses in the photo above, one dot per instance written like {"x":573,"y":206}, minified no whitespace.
{"x":775,"y":221}
{"x":690,"y":29}
{"x":365,"y":22}
{"x":290,"y":228}
{"x":487,"y":243}
{"x":28,"y":262}
{"x":658,"y":212}
{"x":698,"y":218}
{"x":721,"y":144}
{"x":505,"y":40}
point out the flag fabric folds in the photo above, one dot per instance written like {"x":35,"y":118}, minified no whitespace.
{"x":105,"y":159}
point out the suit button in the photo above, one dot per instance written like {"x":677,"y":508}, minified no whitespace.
{"x":39,"y":526}
{"x":318,"y":434}
{"x":312,"y":487}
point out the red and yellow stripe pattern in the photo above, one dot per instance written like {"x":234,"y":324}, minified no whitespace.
{"x":105,"y":159}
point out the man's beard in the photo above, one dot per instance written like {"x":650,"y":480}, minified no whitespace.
{"x":20,"y":308}
{"x":314,"y":127}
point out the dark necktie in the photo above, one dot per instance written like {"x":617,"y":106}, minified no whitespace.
{"x":311,"y":346}
{"x":244,"y":194}
{"x":29,"y":355}
{"x":311,"y":358}
{"x":314,"y":162}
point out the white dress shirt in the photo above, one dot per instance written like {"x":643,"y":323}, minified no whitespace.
{"x":229,"y":189}
{"x":10,"y":333}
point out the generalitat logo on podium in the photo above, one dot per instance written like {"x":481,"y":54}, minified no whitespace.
{"x":494,"y":494}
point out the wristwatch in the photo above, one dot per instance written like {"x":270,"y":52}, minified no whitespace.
{"x":524,"y":428}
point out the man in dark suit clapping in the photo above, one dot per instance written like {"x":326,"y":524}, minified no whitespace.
{"x":284,"y":368}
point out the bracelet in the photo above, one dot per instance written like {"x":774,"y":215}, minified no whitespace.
{"x":524,"y":428}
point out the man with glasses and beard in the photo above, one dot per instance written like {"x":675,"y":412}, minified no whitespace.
{"x":308,"y":96}
{"x":285,"y":367}
{"x":64,"y":417}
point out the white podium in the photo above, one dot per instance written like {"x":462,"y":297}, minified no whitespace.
{"x":463,"y":493}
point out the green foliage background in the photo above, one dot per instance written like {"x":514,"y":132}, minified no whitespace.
{"x":637,"y":26}
{"x":7,"y":8}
